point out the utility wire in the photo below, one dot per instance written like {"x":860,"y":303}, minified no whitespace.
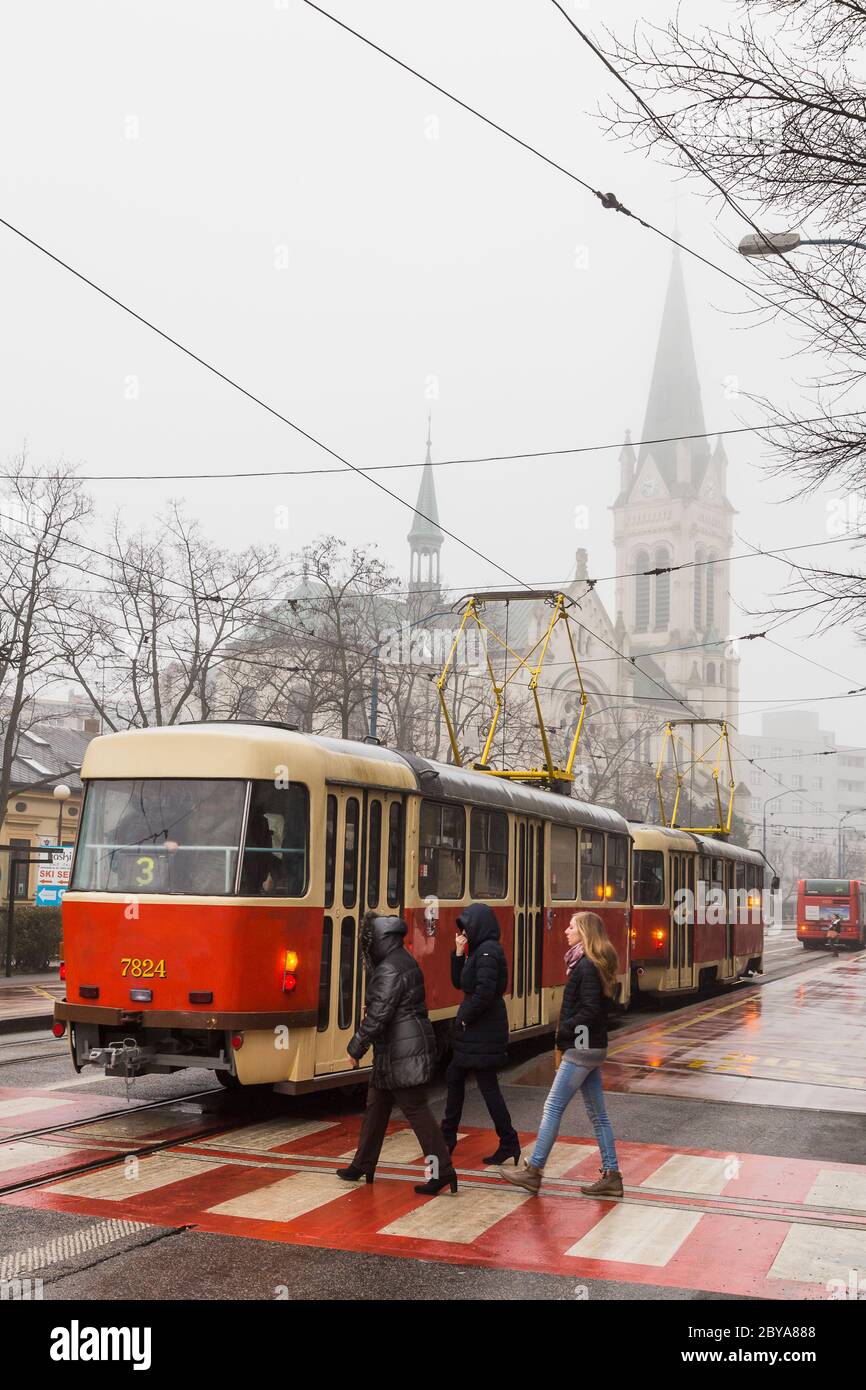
{"x":607,"y":200}
{"x":448,"y":463}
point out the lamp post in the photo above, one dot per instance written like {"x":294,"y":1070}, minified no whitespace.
{"x":62,"y":794}
{"x":758,"y":244}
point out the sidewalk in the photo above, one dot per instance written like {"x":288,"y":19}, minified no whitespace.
{"x":27,"y":1001}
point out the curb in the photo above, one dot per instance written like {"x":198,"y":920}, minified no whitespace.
{"x":25,"y":1023}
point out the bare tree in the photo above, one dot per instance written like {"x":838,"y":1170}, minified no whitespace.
{"x":769,"y":117}
{"x":40,"y":512}
{"x":162,"y":644}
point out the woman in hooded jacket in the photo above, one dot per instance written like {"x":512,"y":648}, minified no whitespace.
{"x":396,"y":1024}
{"x":479,"y":968}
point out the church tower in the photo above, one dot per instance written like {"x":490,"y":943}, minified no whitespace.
{"x":673,"y":510}
{"x":425,"y":535}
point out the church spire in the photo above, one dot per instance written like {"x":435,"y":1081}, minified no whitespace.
{"x":425,"y":534}
{"x":674,"y":405}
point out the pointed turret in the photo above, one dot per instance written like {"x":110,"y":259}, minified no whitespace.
{"x":425,"y":534}
{"x":674,"y":405}
{"x":627,"y":460}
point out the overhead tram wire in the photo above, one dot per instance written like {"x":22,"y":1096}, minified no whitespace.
{"x":251,"y":396}
{"x":443,"y":463}
{"x":608,"y":201}
{"x":690,"y":156}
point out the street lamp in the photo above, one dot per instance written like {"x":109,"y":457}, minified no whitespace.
{"x":758,"y":244}
{"x":62,"y":793}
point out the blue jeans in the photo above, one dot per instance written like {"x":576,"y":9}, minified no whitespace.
{"x":570,"y":1079}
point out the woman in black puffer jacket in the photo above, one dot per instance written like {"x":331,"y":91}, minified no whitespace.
{"x":480,"y":1028}
{"x":395,"y":1022}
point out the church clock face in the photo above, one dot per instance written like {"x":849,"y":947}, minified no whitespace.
{"x":649,"y":487}
{"x":711,"y":492}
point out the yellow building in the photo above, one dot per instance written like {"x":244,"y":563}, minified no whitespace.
{"x":46,"y":758}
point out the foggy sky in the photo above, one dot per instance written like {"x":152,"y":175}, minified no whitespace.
{"x":356,"y":250}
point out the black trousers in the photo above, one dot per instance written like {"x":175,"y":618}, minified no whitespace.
{"x":488,"y":1085}
{"x":412,"y":1100}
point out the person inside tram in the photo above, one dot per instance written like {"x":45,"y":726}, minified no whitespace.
{"x":395,"y":1022}
{"x":581,"y":1043}
{"x":480,"y":1041}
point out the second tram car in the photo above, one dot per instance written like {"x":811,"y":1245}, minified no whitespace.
{"x":222,"y":871}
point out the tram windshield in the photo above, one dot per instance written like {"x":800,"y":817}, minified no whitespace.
{"x":160,"y":836}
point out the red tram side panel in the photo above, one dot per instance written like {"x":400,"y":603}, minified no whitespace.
{"x":223,"y":871}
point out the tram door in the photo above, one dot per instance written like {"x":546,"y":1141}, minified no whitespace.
{"x":682,"y":960}
{"x":529,"y":881}
{"x":364,"y":837}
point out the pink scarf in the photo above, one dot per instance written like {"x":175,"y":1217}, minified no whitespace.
{"x":572,"y":956}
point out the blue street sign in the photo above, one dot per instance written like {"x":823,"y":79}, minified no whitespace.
{"x":48,"y":896}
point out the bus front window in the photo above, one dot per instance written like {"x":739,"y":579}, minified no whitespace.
{"x":160,"y":836}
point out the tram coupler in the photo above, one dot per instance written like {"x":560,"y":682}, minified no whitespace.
{"x":122,"y":1059}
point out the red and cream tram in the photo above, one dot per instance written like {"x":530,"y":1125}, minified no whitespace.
{"x":221,"y":872}
{"x":697,"y":910}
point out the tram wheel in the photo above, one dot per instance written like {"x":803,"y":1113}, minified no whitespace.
{"x":812,"y":945}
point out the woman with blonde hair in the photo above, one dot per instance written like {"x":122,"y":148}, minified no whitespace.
{"x":581,"y":1038}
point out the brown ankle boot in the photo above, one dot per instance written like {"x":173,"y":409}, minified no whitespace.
{"x":608,"y":1185}
{"x":526,"y":1177}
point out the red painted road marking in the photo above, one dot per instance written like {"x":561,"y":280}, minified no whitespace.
{"x":777,"y":1228}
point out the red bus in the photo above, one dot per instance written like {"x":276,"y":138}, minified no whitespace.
{"x":821,"y":900}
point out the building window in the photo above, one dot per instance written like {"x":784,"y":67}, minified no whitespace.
{"x":710,"y":583}
{"x":698,"y":612}
{"x":711,"y":674}
{"x":641,"y":592}
{"x":663,"y":589}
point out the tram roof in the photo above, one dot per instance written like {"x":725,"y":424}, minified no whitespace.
{"x":663,"y":837}
{"x":239,"y":749}
{"x":444,"y":781}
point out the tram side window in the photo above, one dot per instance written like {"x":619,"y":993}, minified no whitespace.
{"x":350,"y":852}
{"x":649,"y":877}
{"x":563,"y":863}
{"x":330,"y":849}
{"x":718,"y":886}
{"x":395,"y":854}
{"x":591,"y":864}
{"x":276,"y":845}
{"x":617,"y":868}
{"x":488,"y":854}
{"x":441,"y":850}
{"x":374,"y":853}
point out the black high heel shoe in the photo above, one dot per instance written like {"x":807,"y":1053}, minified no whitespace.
{"x":435,"y":1185}
{"x":352,"y":1174}
{"x":506,"y":1150}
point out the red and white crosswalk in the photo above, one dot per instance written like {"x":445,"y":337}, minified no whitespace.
{"x":741,"y":1224}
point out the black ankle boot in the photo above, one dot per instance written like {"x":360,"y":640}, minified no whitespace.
{"x":508,"y":1148}
{"x":352,"y":1174}
{"x":435,"y":1185}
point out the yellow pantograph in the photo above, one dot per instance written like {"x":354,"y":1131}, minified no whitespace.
{"x":686,"y":761}
{"x":532,"y":663}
